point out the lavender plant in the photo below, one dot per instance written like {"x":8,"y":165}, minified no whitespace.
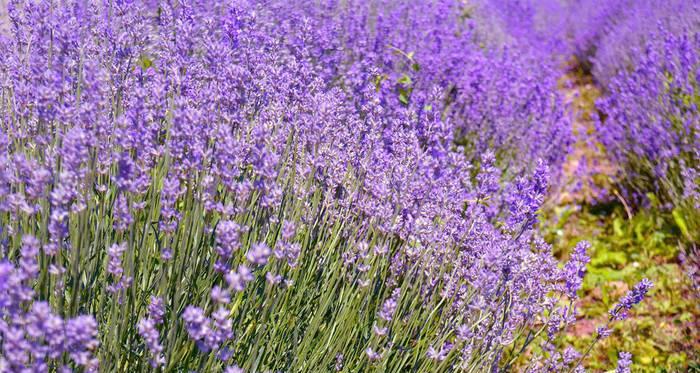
{"x":644,"y":56}
{"x":651,"y":126}
{"x":607,"y":36}
{"x":650,"y":122}
{"x":433,"y":58}
{"x":206,"y":186}
{"x":631,"y":27}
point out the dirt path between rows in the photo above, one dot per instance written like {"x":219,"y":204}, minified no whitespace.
{"x":586,"y":170}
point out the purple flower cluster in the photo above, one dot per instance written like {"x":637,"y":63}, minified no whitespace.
{"x":644,"y":56}
{"x":228,"y":242}
{"x":114,"y":268}
{"x":630,"y":25}
{"x":424,"y":59}
{"x":575,"y":269}
{"x":209,"y":333}
{"x":624,"y":362}
{"x":32,"y":335}
{"x":651,"y":124}
{"x":148,"y":331}
{"x":634,"y":296}
{"x":379,"y":163}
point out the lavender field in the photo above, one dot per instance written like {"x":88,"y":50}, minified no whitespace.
{"x":349,"y":186}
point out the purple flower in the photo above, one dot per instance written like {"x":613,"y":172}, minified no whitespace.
{"x":227,"y":239}
{"x":81,"y":341}
{"x":234,"y":369}
{"x":196,"y":323}
{"x":603,"y":332}
{"x":400,"y":138}
{"x":372,"y":355}
{"x":114,"y":265}
{"x":147,"y":330}
{"x":222,"y":329}
{"x":156,"y":309}
{"x":647,"y":64}
{"x":380,"y":332}
{"x":122,"y":215}
{"x":220,"y":295}
{"x":114,"y":268}
{"x":166,"y":255}
{"x":575,"y":269}
{"x":624,"y":362}
{"x":169,"y":195}
{"x":389,"y":305}
{"x":259,"y":253}
{"x":292,"y":253}
{"x":125,"y":172}
{"x":463,"y":332}
{"x":440,"y":355}
{"x":288,"y":230}
{"x":634,"y":296}
{"x":238,"y":279}
{"x":273,"y":279}
{"x":339,"y":362}
{"x":29,"y":265}
{"x":43,"y":324}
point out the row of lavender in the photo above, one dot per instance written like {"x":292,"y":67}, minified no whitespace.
{"x":277,"y":186}
{"x":646,"y":57}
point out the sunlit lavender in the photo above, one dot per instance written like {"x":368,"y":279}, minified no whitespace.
{"x":311,"y":186}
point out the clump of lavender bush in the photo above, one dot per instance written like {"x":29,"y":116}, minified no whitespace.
{"x":645,"y":57}
{"x":431,"y":58}
{"x":607,"y":36}
{"x":227,"y":187}
{"x":632,"y":27}
{"x":651,"y":123}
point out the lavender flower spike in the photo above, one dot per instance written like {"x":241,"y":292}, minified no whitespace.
{"x":624,"y":362}
{"x":633,"y":297}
